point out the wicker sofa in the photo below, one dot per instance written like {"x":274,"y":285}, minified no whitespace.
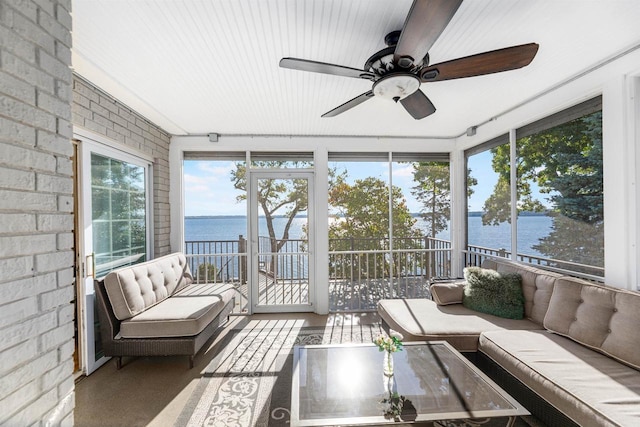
{"x":154,"y":309}
{"x":573,"y":360}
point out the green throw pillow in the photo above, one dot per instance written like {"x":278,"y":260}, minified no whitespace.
{"x":488,"y":291}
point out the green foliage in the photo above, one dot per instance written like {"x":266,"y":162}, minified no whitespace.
{"x":275,"y":197}
{"x":566,"y":163}
{"x":433,"y":190}
{"x":206,"y":273}
{"x":363,"y":224}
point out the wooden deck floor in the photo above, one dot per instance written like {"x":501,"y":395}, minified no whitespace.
{"x":344,"y":295}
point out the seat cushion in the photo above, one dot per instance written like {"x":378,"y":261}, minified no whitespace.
{"x":588,"y":387}
{"x":603,"y":318}
{"x":133,"y":289}
{"x":186,"y":313}
{"x":421,"y":319}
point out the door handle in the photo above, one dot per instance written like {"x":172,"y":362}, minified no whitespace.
{"x":92,"y":272}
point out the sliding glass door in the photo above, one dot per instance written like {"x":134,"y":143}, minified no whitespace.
{"x":115,"y":228}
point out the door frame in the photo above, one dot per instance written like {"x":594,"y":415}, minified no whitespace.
{"x":89,"y":143}
{"x":253,"y":250}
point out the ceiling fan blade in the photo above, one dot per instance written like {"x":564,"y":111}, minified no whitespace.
{"x":349,"y":104}
{"x":418,"y":105}
{"x":427,"y":19}
{"x":324,"y":68}
{"x":495,"y":61}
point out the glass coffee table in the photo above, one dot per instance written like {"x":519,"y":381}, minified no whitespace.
{"x":344,"y":384}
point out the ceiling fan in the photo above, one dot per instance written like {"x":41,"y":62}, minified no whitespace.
{"x":398,"y":70}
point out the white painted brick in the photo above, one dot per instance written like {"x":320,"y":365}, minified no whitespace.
{"x":28,"y":371}
{"x":54,"y":261}
{"x":64,"y":166}
{"x":19,"y":111}
{"x":85,"y":89}
{"x":93,"y":126}
{"x":63,"y":90}
{"x":35,"y":411}
{"x":57,"y":375}
{"x":26,"y":8}
{"x":64,"y":128}
{"x":53,"y":105}
{"x":54,"y":183}
{"x":53,"y":66}
{"x":25,"y":71}
{"x":64,"y":17}
{"x":109,"y":104}
{"x":53,"y":27}
{"x":65,"y":277}
{"x":12,"y":86}
{"x":12,"y":357}
{"x":80,"y":100}
{"x":54,"y":143}
{"x":28,"y":329}
{"x":96,"y":108}
{"x":66,"y":314}
{"x":28,"y":287}
{"x":55,"y":222}
{"x":16,"y":223}
{"x":32,"y":32}
{"x":18,"y":46}
{"x":12,"y":246}
{"x":65,"y":203}
{"x":101,"y":120}
{"x":53,"y":339}
{"x":65,"y":351}
{"x":16,"y":179}
{"x":26,"y":158}
{"x":57,"y":298}
{"x":17,"y":399}
{"x":18,"y":311}
{"x":14,"y":268}
{"x":11,"y":131}
{"x":65,"y":241}
{"x":27,"y":201}
{"x":46,"y":5}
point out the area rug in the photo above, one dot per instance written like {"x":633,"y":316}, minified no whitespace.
{"x":248,"y":383}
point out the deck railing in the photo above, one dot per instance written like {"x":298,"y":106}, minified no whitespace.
{"x":475,"y":255}
{"x":361,"y":271}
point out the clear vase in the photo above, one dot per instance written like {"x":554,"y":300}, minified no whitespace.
{"x":387,"y":364}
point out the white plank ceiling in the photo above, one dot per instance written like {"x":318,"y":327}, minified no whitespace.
{"x":201,"y":66}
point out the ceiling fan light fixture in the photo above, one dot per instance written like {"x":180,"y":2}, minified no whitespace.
{"x":396,"y":86}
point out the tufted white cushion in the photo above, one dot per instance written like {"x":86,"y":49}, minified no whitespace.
{"x":134,"y":289}
{"x":603,"y":318}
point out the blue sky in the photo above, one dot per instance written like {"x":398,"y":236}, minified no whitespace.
{"x":209,"y":190}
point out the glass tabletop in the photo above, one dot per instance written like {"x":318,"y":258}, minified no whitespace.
{"x":345,"y":384}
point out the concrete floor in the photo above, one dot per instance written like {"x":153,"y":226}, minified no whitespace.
{"x":152,"y":391}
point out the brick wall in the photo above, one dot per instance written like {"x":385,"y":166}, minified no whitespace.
{"x":36,"y":214}
{"x":99,"y":112}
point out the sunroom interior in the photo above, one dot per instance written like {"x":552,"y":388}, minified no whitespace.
{"x":169,"y":124}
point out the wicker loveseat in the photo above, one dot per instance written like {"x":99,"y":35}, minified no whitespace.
{"x":154,"y":309}
{"x":573,"y":360}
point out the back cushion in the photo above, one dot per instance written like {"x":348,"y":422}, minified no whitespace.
{"x":132,"y":290}
{"x":603,"y":318}
{"x":537,"y":286}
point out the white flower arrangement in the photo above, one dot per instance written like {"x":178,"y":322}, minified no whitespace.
{"x":392,"y":343}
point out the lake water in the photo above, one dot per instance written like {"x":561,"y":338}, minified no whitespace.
{"x":530,"y":230}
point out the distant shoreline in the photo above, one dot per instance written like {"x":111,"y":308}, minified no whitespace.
{"x":413,"y":214}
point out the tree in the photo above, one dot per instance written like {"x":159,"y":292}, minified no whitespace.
{"x":363,"y":224}
{"x":288,"y":197}
{"x":433,"y":190}
{"x":566,"y":163}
